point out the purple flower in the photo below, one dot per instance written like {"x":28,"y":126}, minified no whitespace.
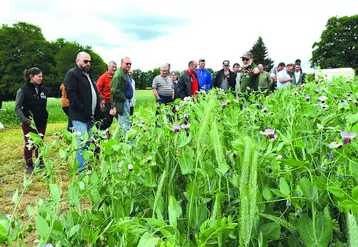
{"x":186,"y":116}
{"x":48,"y":245}
{"x":335,"y":96}
{"x":185,"y":126}
{"x":270,"y":133}
{"x":357,"y":104}
{"x":322,"y":98}
{"x":176,"y":128}
{"x":223,"y":105}
{"x":340,"y":176}
{"x":316,"y":91}
{"x":235,"y":155}
{"x":348,"y":136}
{"x":175,"y":108}
{"x":264,"y":110}
{"x":288,"y":203}
{"x":299,"y":193}
{"x":307,"y":97}
{"x":330,"y":156}
{"x":149,"y":159}
{"x":130,"y":167}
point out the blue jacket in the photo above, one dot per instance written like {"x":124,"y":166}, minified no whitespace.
{"x":204,"y":78}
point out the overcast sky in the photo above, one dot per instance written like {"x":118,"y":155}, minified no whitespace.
{"x":153,"y":32}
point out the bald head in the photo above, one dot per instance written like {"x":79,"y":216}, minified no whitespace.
{"x":261,"y":67}
{"x":83,"y":61}
{"x":126,"y":64}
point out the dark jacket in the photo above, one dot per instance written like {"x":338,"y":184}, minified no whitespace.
{"x":118,"y":90}
{"x":79,"y":94}
{"x":33,"y":104}
{"x":184,"y":85}
{"x":220,"y":76}
{"x":298,"y":81}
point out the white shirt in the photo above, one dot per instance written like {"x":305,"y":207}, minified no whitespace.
{"x":284,"y":75}
{"x":93,"y":91}
{"x":297,"y":75}
{"x":133,"y":99}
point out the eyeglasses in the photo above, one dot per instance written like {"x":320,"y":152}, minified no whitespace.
{"x":128,"y":64}
{"x":245,"y":59}
{"x":87,"y":61}
{"x":226,"y":65}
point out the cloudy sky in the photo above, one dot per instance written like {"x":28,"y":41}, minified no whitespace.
{"x":153,"y":32}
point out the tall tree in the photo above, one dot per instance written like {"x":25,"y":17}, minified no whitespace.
{"x":260,"y":53}
{"x":338,"y":46}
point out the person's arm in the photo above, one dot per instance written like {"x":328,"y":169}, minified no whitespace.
{"x":155,"y":89}
{"x":116,"y":93}
{"x":71,"y":91}
{"x":173,"y":93}
{"x":18,"y":107}
{"x":284,"y":80}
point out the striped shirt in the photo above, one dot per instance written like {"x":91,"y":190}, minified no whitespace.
{"x":164,"y":85}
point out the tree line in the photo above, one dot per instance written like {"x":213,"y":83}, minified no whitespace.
{"x":23,"y":45}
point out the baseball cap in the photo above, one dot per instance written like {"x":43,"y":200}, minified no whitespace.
{"x":247,"y":55}
{"x":201,"y":60}
{"x":226,"y":63}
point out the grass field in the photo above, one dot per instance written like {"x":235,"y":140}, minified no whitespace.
{"x":12,"y":166}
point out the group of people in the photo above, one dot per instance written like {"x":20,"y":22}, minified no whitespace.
{"x":87,"y":102}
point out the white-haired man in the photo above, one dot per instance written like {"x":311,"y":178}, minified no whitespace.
{"x":162,"y":87}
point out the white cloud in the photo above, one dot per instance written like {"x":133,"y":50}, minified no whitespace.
{"x":216,"y":30}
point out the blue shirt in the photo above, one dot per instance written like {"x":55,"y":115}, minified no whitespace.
{"x":204,"y":78}
{"x":129,"y":88}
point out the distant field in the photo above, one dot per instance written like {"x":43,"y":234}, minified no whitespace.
{"x":56,"y":115}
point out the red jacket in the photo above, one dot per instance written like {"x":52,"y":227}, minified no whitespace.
{"x":104,"y":86}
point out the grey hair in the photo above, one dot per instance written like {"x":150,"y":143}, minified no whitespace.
{"x":124,"y":58}
{"x":164,"y":67}
{"x":81,"y":54}
{"x":112,"y":62}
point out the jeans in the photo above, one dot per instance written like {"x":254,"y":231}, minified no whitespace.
{"x":123,"y":120}
{"x":28,"y":153}
{"x":82,"y":127}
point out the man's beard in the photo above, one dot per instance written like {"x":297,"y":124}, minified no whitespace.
{"x":85,"y":69}
{"x":247,"y":65}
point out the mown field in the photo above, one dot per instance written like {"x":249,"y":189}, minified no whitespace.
{"x":215,"y":170}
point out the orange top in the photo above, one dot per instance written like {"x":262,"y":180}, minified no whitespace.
{"x":64,"y":101}
{"x":104,"y":86}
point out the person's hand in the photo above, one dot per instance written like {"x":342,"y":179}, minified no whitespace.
{"x":113,"y":111}
{"x":250,"y":72}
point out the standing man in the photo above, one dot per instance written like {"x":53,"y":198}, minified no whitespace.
{"x":162,"y":87}
{"x":84,"y":101}
{"x":237,"y":69}
{"x":104,"y":87}
{"x":273,"y":74}
{"x":298,"y":75}
{"x":225,"y":78}
{"x":204,"y":76}
{"x":250,"y":73}
{"x":283,"y":77}
{"x":121,"y":93}
{"x":188,"y":83}
{"x":265,"y":80}
{"x":133,"y":99}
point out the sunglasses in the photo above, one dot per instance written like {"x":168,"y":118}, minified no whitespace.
{"x":128,"y":64}
{"x":245,"y":59}
{"x":87,"y":61}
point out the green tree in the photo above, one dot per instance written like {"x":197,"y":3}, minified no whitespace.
{"x":22,"y":46}
{"x":338,"y":45}
{"x":260,"y":53}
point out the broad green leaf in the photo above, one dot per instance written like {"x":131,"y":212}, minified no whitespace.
{"x":116,"y":147}
{"x":350,"y":205}
{"x":300,"y":144}
{"x":277,"y":193}
{"x":352,"y":119}
{"x":267,"y":193}
{"x":355,"y":193}
{"x":62,"y":153}
{"x":271,"y":231}
{"x":186,"y":162}
{"x":73,"y":230}
{"x":353,"y":167}
{"x":86,"y":154}
{"x":174,"y":211}
{"x":30,"y":211}
{"x":352,"y":229}
{"x":42,"y":227}
{"x":309,"y":190}
{"x":15,"y":197}
{"x":55,"y":191}
{"x":338,"y":192}
{"x":284,"y":188}
{"x":4,"y":228}
{"x":155,"y":222}
{"x":294,"y":162}
{"x":147,"y":240}
{"x":184,"y":139}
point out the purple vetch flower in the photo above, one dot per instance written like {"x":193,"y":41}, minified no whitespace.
{"x":149,"y":159}
{"x":288,"y":203}
{"x":186,"y":116}
{"x":299,"y":193}
{"x":350,"y":99}
{"x":317,"y":91}
{"x":335,"y":96}
{"x":330,"y":156}
{"x":175,"y":108}
{"x":234,"y":155}
{"x":348,"y":136}
{"x":176,"y":128}
{"x":223,"y":105}
{"x":295,"y":93}
{"x":130,"y":167}
{"x":307,"y":97}
{"x":264,"y":110}
{"x":157,"y":105}
{"x":334,"y":145}
{"x":323,"y":106}
{"x":299,"y":211}
{"x":302,"y":85}
{"x":48,"y":245}
{"x":185,"y":126}
{"x":322,"y":98}
{"x":340,"y":176}
{"x":357,"y":104}
{"x":270,"y":133}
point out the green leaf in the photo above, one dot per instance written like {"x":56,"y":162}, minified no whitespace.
{"x":353,"y":168}
{"x":184,"y":139}
{"x":4,"y":228}
{"x":353,"y":118}
{"x":338,"y":192}
{"x":271,"y":231}
{"x":73,"y":230}
{"x":355,"y":193}
{"x":300,"y":144}
{"x":352,"y":230}
{"x":309,"y":190}
{"x":147,"y":240}
{"x":186,"y":162}
{"x":15,"y":197}
{"x":30,"y":211}
{"x":284,"y":188}
{"x":42,"y":227}
{"x":55,"y":191}
{"x":277,"y":193}
{"x":349,"y":205}
{"x":174,"y":211}
{"x":294,"y":162}
{"x":116,"y":147}
{"x":267,"y":193}
{"x":62,"y":153}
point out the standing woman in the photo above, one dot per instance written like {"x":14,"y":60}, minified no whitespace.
{"x":31,"y":106}
{"x":174,"y":78}
{"x":65,"y":104}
